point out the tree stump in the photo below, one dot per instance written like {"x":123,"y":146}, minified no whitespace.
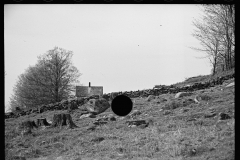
{"x":26,"y":127}
{"x":63,"y":119}
{"x":42,"y":122}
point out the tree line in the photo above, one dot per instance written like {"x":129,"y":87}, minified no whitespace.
{"x":50,"y":80}
{"x":216,"y":33}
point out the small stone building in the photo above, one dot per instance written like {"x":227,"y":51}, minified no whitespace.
{"x":85,"y":91}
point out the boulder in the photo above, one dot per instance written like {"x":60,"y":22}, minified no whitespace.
{"x":182,"y":94}
{"x":97,"y":106}
{"x":230,"y":84}
{"x":85,"y":115}
{"x":107,"y":97}
{"x":150,"y":97}
{"x":80,"y":101}
{"x":113,"y":95}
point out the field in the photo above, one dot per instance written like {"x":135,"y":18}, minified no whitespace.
{"x":182,"y":130}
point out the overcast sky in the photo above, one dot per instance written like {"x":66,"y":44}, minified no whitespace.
{"x":119,"y":47}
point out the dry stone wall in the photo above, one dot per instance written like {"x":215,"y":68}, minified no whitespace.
{"x":74,"y":102}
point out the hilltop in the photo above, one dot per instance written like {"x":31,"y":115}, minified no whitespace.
{"x":175,"y":128}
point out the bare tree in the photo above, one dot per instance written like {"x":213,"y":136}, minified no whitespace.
{"x":50,"y":80}
{"x":209,"y":40}
{"x":216,"y":35}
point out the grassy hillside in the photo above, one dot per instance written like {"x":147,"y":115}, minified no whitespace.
{"x":182,"y":130}
{"x":203,"y":78}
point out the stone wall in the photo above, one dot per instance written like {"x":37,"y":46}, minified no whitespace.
{"x":63,"y":105}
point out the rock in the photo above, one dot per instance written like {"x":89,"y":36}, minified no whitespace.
{"x":97,"y":139}
{"x":113,"y":95}
{"x":80,"y":101}
{"x":224,"y":116}
{"x":106,"y":118}
{"x":105,"y":96}
{"x":97,"y":106}
{"x":150,"y":97}
{"x":92,"y":127}
{"x":185,"y":110}
{"x":135,"y":113}
{"x":202,"y":97}
{"x":85,"y":115}
{"x":230,"y":84}
{"x":139,"y":123}
{"x":210,"y":115}
{"x":100,"y":122}
{"x":166,"y":112}
{"x":192,"y":152}
{"x":92,"y":116}
{"x":142,"y":126}
{"x":182,"y":94}
{"x":112,"y":118}
{"x":196,"y":99}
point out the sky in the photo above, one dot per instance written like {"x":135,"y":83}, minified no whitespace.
{"x":120,"y":47}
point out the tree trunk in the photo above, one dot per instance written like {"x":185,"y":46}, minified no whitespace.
{"x":26,"y":127}
{"x":62,"y":119}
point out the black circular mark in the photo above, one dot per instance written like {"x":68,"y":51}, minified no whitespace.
{"x":122,"y":105}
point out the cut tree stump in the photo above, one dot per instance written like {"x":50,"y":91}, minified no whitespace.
{"x":26,"y":127}
{"x":42,"y":122}
{"x":63,"y":119}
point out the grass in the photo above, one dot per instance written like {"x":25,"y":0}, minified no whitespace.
{"x":203,"y":78}
{"x":184,"y":134}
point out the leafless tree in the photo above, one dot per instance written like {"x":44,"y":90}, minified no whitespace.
{"x":215,"y":31}
{"x":52,"y":79}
